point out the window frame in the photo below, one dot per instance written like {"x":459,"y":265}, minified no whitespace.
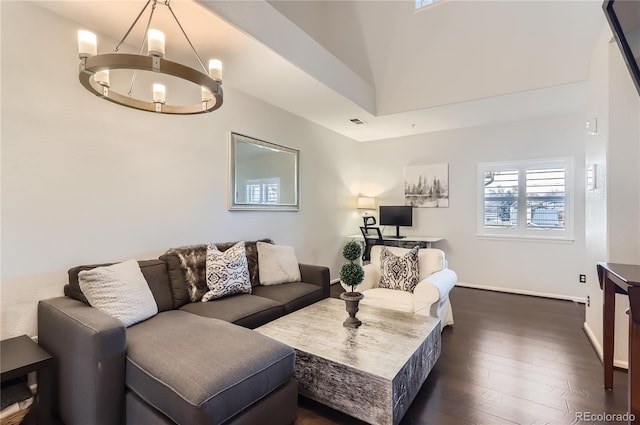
{"x":522,"y":230}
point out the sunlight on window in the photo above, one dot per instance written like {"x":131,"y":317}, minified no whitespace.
{"x":424,"y":3}
{"x":545,"y":198}
{"x":501,"y":198}
{"x":526,"y":199}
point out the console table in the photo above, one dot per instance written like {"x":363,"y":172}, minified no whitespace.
{"x":406,"y":242}
{"x":625,"y":279}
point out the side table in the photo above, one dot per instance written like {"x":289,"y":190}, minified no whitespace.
{"x":20,"y":356}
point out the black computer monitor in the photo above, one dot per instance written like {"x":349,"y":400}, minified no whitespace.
{"x":396,"y":215}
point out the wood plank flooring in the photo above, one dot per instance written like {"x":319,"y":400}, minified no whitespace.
{"x":508,"y":359}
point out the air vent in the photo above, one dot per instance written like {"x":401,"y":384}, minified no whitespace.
{"x":357,"y":121}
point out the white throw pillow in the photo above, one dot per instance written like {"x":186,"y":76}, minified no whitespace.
{"x":277,"y":264}
{"x":227,"y":272}
{"x":119,"y":290}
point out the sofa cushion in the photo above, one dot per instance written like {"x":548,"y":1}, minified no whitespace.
{"x":197,"y":370}
{"x":293,"y":296}
{"x":154,"y":272}
{"x":120,"y":290}
{"x":389,"y":298}
{"x":245,"y":310}
{"x":399,"y":272}
{"x":227,"y":272}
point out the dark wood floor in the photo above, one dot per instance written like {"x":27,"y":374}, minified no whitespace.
{"x":509,"y":359}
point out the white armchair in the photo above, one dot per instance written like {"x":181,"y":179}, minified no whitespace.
{"x":429,"y":298}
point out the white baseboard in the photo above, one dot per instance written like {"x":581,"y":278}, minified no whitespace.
{"x":596,"y":346}
{"x":523,"y":292}
{"x":334,"y":281}
{"x":592,"y":338}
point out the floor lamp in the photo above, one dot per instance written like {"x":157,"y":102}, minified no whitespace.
{"x":367,"y":204}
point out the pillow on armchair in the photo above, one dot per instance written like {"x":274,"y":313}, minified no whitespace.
{"x":430,"y":260}
{"x":399,"y":272}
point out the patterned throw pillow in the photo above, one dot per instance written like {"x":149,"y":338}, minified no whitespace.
{"x":227,"y":272}
{"x":251,"y":251}
{"x":399,"y":272}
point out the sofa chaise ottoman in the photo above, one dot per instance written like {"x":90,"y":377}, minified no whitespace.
{"x":191,"y":363}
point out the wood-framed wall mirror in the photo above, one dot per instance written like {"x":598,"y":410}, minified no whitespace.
{"x":262,"y":175}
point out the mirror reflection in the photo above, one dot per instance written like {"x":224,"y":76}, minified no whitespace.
{"x":263,"y":175}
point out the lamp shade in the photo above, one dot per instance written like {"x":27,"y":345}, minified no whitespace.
{"x":366,"y":203}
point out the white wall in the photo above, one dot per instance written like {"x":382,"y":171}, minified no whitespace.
{"x":596,"y":240}
{"x":523,"y":266}
{"x":623,"y":178}
{"x":623,"y":172}
{"x":85,"y":181}
{"x":613,"y":211}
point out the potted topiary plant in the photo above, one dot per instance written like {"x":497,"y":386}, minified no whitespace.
{"x":351,"y":275}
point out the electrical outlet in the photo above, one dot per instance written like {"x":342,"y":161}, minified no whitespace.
{"x":588,"y":301}
{"x":583,"y":278}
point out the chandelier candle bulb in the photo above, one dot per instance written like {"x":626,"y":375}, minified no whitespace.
{"x":155,"y":43}
{"x":215,"y":69}
{"x":158,"y":93}
{"x":87,"y":44}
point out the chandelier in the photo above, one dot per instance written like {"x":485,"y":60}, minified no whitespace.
{"x":94,"y":70}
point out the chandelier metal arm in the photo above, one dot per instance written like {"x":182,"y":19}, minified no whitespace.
{"x":204,"y":68}
{"x":144,"y":39}
{"x":117,"y":48}
{"x":93,"y":64}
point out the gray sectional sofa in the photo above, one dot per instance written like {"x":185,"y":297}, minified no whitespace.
{"x":192,"y":363}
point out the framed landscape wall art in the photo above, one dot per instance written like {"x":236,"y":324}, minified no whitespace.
{"x":426,"y":186}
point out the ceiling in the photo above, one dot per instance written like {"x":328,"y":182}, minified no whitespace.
{"x":454,"y":64}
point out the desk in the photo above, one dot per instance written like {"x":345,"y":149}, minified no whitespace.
{"x":621,"y":278}
{"x":407,"y":242}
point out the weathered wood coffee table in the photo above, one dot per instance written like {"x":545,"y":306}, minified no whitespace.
{"x":373,"y":372}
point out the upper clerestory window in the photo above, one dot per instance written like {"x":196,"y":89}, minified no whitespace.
{"x":424,"y":3}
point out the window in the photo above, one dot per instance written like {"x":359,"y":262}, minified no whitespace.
{"x":424,"y":3}
{"x":261,"y":191}
{"x":528,"y":199}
